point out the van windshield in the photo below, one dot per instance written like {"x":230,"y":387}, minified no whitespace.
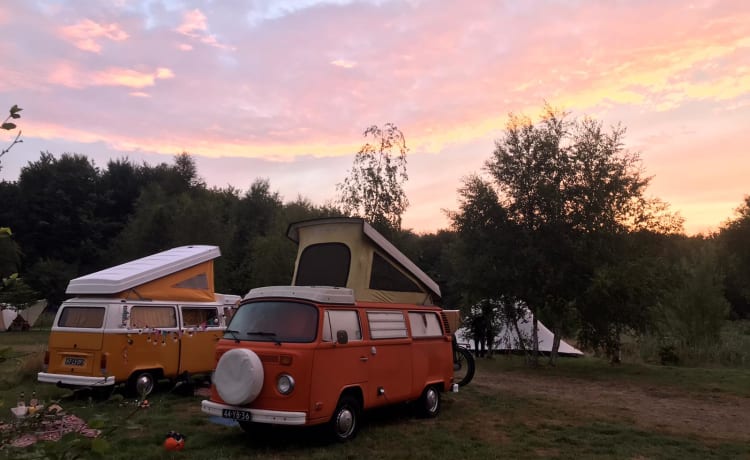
{"x":274,"y":321}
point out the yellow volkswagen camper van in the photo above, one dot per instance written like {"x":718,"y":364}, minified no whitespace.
{"x":151,"y":318}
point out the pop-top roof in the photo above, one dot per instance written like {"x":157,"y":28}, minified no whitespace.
{"x":137,"y":272}
{"x":364,"y":245}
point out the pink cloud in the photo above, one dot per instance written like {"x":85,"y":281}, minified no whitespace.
{"x":194,"y":25}
{"x":85,"y":35}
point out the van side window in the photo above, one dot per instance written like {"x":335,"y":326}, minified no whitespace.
{"x":148,"y":316}
{"x":387,"y":324}
{"x":386,"y":277}
{"x":200,"y":317}
{"x":425,"y":324}
{"x":81,"y":317}
{"x":337,"y":320}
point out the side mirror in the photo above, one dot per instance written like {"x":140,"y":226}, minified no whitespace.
{"x":342,"y":337}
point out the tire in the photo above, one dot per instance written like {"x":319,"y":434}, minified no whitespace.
{"x":141,"y":384}
{"x":429,"y":402}
{"x":344,"y":423}
{"x":463,"y":366}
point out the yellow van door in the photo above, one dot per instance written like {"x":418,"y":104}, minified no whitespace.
{"x":201,"y":329}
{"x":75,"y":342}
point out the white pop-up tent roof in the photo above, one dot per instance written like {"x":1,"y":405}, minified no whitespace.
{"x":507,"y":339}
{"x":183,"y":273}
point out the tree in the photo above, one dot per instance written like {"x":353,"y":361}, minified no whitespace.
{"x":374,"y":188}
{"x":734,"y":244}
{"x":694,"y":308}
{"x":566,"y":186}
{"x":9,"y":126}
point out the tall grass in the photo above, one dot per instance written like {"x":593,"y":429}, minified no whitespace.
{"x":731,"y":350}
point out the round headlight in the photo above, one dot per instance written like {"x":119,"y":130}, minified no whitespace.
{"x":285,"y":384}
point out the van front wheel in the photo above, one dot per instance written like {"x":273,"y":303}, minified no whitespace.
{"x":429,"y":402}
{"x":345,"y":421}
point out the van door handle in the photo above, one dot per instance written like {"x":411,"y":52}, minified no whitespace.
{"x":363,"y":358}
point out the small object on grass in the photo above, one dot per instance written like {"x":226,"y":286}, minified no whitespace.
{"x":174,"y":441}
{"x":145,"y":404}
{"x":54,"y":409}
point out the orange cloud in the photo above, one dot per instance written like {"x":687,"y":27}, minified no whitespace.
{"x":84,"y":35}
{"x":207,"y":145}
{"x":65,"y":74}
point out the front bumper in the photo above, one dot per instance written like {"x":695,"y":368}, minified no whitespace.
{"x":76,"y":380}
{"x":275,"y":417}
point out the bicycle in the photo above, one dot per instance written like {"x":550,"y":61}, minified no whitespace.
{"x":463,"y":364}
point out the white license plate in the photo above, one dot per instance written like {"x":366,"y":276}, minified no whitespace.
{"x":75,"y":361}
{"x":234,"y":414}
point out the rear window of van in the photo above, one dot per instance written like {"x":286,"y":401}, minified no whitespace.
{"x":88,"y":317}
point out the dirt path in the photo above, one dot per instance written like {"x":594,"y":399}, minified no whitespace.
{"x":706,"y":415}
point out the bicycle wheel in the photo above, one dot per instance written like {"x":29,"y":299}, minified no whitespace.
{"x":463,"y":366}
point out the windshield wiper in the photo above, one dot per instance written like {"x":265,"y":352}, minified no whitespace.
{"x":234,"y":334}
{"x":266,"y":334}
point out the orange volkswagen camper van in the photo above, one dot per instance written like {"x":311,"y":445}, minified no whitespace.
{"x":357,"y":329}
{"x":151,"y":318}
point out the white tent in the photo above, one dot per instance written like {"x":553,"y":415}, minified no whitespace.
{"x":7,"y":315}
{"x":29,"y":314}
{"x":507,"y":339}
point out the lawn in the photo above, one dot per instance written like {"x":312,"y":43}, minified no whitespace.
{"x":582,"y":408}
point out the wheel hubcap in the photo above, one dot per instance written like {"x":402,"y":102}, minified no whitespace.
{"x":431,"y":399}
{"x":144,"y":385}
{"x":345,"y":422}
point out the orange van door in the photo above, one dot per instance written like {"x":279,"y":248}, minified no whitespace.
{"x":201,"y":329}
{"x":337,"y":366}
{"x":390,"y":367}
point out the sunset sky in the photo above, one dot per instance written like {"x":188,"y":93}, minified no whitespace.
{"x":283,"y":89}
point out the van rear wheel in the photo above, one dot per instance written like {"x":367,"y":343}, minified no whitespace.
{"x":345,"y":421}
{"x":141,"y":384}
{"x":429,"y":402}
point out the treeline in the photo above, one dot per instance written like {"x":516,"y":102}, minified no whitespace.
{"x":557,"y":223}
{"x":70,"y":218}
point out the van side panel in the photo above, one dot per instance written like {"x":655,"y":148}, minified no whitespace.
{"x":433,"y":362}
{"x":389,"y":377}
{"x":131,"y":351}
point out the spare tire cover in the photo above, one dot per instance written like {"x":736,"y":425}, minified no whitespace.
{"x":239,"y":376}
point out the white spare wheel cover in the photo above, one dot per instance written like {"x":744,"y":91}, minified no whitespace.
{"x":239,"y":376}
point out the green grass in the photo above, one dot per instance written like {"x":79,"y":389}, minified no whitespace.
{"x":479,"y":422}
{"x":691,"y":379}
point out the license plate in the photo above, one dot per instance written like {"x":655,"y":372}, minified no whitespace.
{"x":75,"y":361}
{"x":234,"y":414}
